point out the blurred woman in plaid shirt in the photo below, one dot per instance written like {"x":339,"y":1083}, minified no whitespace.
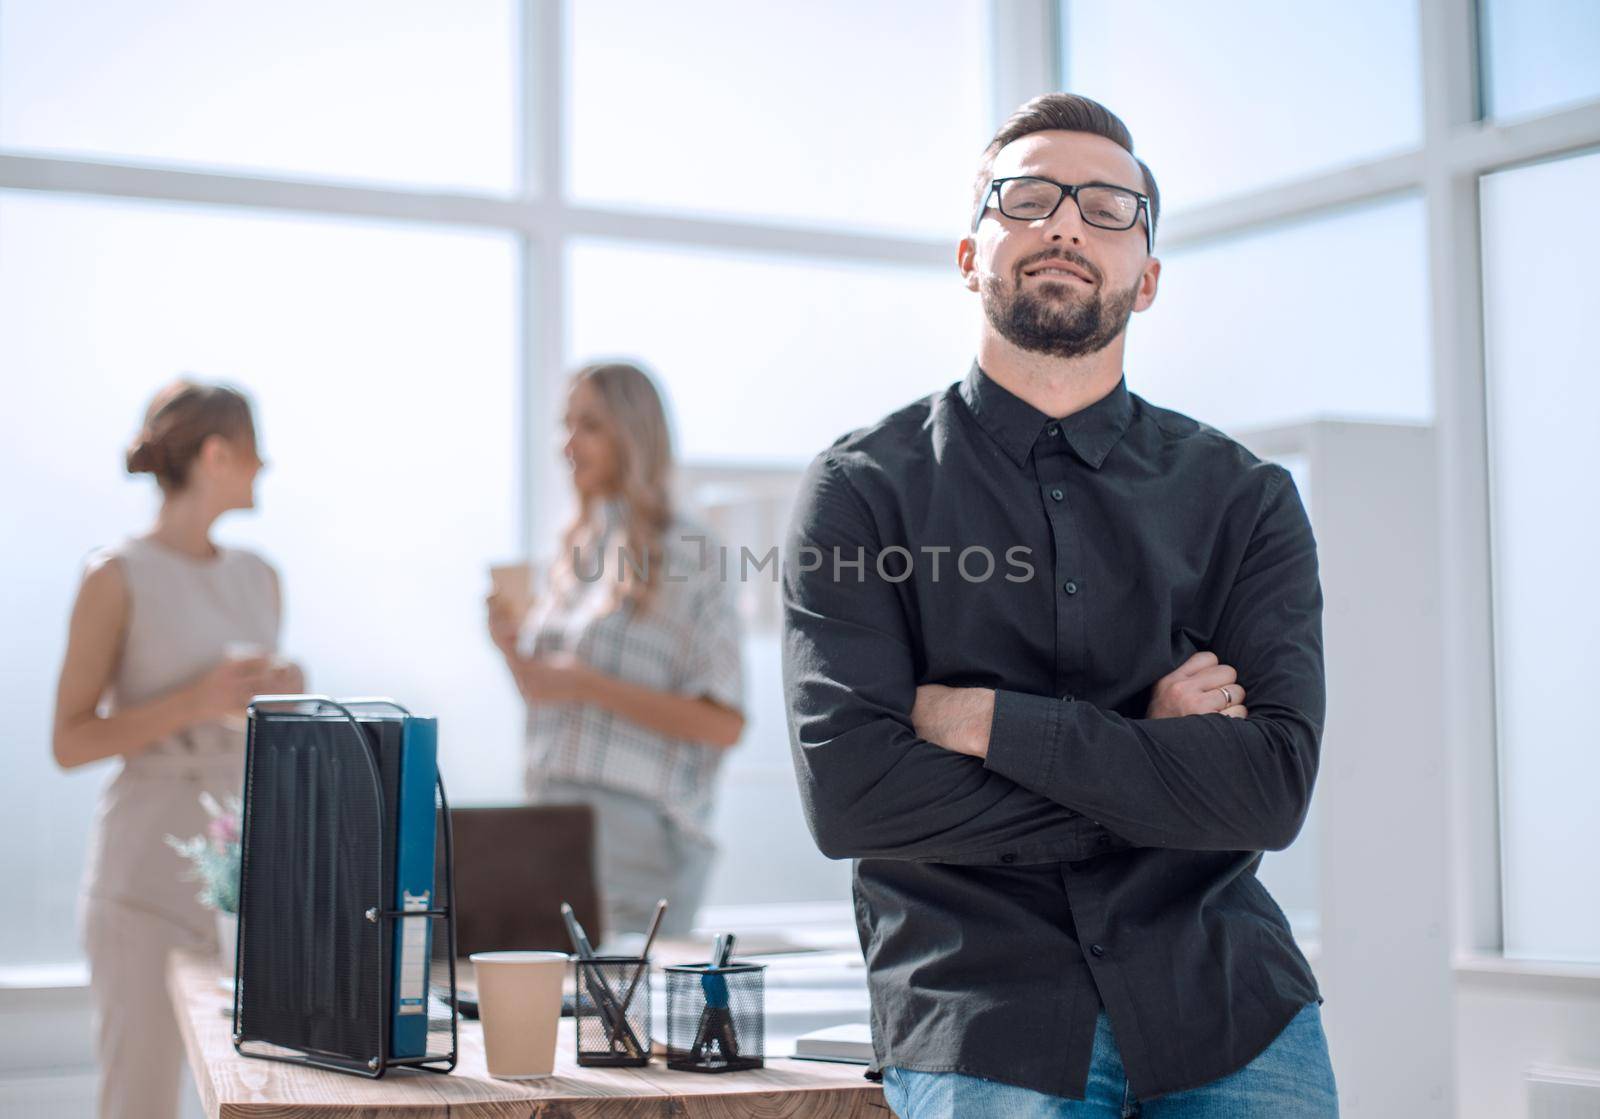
{"x":629,"y":658}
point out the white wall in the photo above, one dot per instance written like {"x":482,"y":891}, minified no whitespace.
{"x":1511,"y":1018}
{"x":46,"y":1051}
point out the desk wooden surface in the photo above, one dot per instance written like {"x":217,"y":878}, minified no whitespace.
{"x":235,"y":1087}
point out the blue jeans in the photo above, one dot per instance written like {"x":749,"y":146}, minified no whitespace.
{"x":1291,"y":1079}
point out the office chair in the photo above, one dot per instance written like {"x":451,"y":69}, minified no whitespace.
{"x":515,"y":865}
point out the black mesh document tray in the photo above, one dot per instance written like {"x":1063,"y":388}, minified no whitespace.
{"x":316,"y":892}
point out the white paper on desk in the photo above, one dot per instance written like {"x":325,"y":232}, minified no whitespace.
{"x":821,"y":970}
{"x":850,"y":1043}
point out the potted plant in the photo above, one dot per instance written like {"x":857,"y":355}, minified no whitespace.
{"x":214,"y":863}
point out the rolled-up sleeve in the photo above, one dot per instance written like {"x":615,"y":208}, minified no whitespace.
{"x":871,"y":788}
{"x":1200,"y":782}
{"x":714,"y":667}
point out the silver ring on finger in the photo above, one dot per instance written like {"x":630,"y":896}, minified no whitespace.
{"x":1227,"y":696}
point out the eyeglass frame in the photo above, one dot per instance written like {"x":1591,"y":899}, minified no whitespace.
{"x":1070,"y":190}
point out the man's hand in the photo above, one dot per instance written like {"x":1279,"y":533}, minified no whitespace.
{"x":955,"y":718}
{"x":958,"y":718}
{"x":1195,"y":687}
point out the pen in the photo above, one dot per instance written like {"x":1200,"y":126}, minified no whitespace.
{"x":611,"y":1012}
{"x":580,"y":939}
{"x":649,"y":939}
{"x":716,"y":1020}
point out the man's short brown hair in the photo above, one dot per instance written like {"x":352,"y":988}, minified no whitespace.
{"x":1065,"y":112}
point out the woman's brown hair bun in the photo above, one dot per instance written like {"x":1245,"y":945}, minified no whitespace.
{"x":179,"y":420}
{"x":144,"y":457}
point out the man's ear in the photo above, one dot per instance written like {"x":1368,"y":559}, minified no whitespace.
{"x":967,"y":261}
{"x":1149,"y":280}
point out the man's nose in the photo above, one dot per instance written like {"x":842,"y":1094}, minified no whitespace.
{"x":1066,"y":222}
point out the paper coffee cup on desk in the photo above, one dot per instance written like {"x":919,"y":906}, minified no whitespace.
{"x":519,"y":1003}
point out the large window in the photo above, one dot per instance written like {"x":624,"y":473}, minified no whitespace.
{"x":1326,"y":317}
{"x":831,"y":112}
{"x":762,"y":204}
{"x":382,"y":91}
{"x":1315,"y":266}
{"x":752,"y":378}
{"x":1539,"y":55}
{"x":1268,"y":324}
{"x":1543,"y":397}
{"x":381,"y":359}
{"x":1235,"y":95}
{"x":405,"y":371}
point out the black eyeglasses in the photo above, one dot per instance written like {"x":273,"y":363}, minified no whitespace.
{"x":1028,"y":198}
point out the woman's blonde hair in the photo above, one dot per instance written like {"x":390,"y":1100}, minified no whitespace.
{"x":644,"y":463}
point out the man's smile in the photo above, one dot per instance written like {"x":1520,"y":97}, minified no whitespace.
{"x":1058,"y":270}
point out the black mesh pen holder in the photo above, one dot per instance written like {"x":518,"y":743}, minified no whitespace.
{"x":612,"y":1011}
{"x":716,"y":1017}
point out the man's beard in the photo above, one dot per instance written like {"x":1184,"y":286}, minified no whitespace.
{"x":1044,"y":323}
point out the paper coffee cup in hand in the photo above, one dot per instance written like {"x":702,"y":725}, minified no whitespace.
{"x":240,"y":651}
{"x":513,"y":585}
{"x":519,"y":1004}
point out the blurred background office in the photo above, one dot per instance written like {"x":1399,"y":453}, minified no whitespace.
{"x":400,"y":223}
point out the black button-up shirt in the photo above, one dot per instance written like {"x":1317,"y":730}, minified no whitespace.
{"x":1095,"y":857}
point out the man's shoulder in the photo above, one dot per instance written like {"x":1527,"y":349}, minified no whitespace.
{"x":900,"y":439}
{"x":1184,"y":442}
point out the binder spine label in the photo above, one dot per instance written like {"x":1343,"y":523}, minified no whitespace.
{"x":413,"y":990}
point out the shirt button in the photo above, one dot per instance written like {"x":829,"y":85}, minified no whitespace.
{"x":1067,"y":698}
{"x":1057,"y":494}
{"x":1070,"y":587}
{"x":1097,"y":950}
{"x":1008,"y":857}
{"x":1052,"y":430}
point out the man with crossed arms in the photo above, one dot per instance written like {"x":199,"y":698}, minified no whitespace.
{"x":1020,"y":615}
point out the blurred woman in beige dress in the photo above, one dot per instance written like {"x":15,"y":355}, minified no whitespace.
{"x":170,"y":636}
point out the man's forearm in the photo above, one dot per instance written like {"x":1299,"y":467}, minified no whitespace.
{"x":1202,"y":782}
{"x":1153,"y":790}
{"x":875,"y":790}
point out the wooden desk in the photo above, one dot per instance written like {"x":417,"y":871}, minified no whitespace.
{"x":235,"y":1087}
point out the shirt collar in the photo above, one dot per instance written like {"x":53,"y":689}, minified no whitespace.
{"x":1016,"y":425}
